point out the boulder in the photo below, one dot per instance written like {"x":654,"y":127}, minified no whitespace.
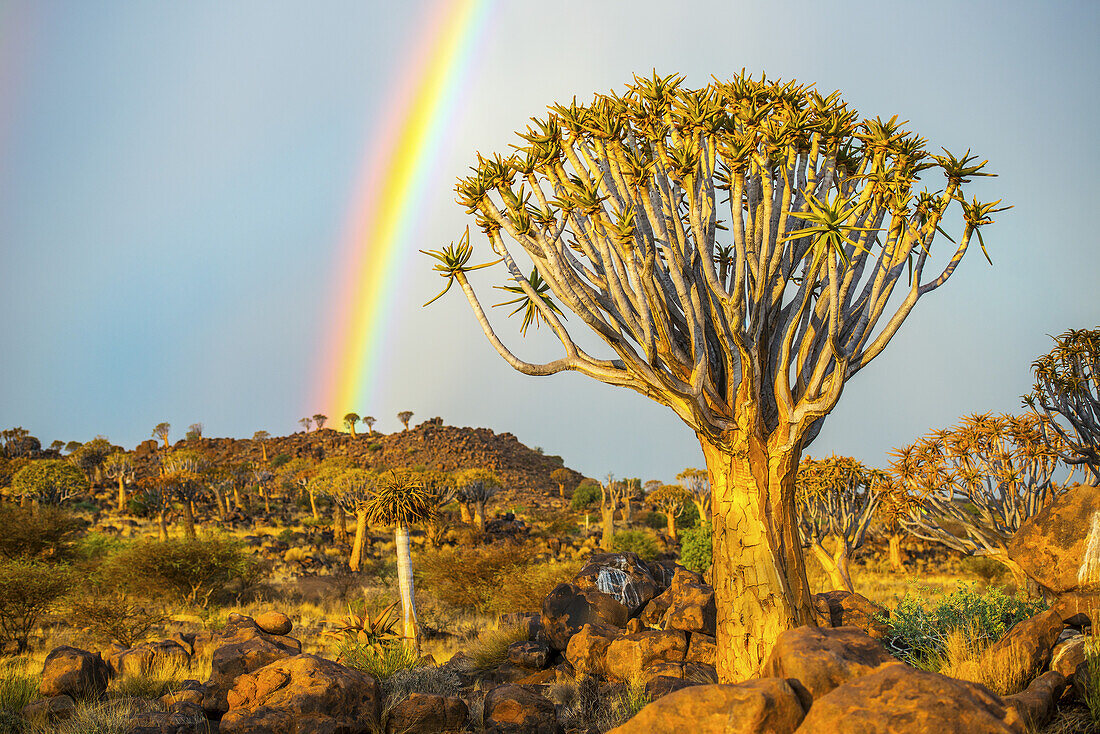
{"x":530,"y":655}
{"x":69,"y":671}
{"x":302,"y":693}
{"x":702,"y":648}
{"x":696,"y":673}
{"x":423,"y":713}
{"x":49,"y":710}
{"x":242,"y":648}
{"x":897,"y":699}
{"x":274,"y":623}
{"x":848,"y":609}
{"x":623,"y":576}
{"x":627,"y":655}
{"x":568,"y":608}
{"x":662,"y":685}
{"x":587,"y":649}
{"x":1025,"y":650}
{"x":512,"y":709}
{"x":1068,"y":654}
{"x":753,"y":707}
{"x":179,"y":718}
{"x":1035,"y":704}
{"x":691,"y":604}
{"x":150,"y":656}
{"x":531,"y":622}
{"x":825,"y":658}
{"x":1051,"y":546}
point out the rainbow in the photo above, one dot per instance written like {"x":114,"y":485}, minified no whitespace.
{"x":389,"y":197}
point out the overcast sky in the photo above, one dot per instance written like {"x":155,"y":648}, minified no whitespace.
{"x":175,"y":178}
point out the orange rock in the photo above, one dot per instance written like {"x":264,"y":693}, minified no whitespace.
{"x":822,"y":659}
{"x":765,"y":705}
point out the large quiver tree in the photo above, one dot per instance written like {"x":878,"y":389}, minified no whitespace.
{"x":736,"y":248}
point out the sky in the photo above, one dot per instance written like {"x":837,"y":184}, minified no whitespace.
{"x":177,"y":181}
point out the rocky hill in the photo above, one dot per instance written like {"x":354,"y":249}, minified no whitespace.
{"x":430,"y":445}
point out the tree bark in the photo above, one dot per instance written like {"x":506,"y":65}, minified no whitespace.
{"x":465,"y":514}
{"x":340,"y":527}
{"x":405,"y":582}
{"x":162,"y":525}
{"x":188,"y":520}
{"x":607,"y":516}
{"x":671,"y":520}
{"x":313,"y":504}
{"x":479,"y":516}
{"x":121,"y":494}
{"x":897,"y":556}
{"x":360,"y":538}
{"x":759,"y":573}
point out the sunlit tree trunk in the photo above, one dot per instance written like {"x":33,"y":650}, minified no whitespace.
{"x":479,"y":515}
{"x":464,"y":513}
{"x":237,"y":497}
{"x":835,"y":564}
{"x":759,"y":575}
{"x":670,"y":519}
{"x":340,"y":527}
{"x":188,"y":520}
{"x":360,"y":539}
{"x":220,"y":501}
{"x":162,"y":525}
{"x":405,"y":582}
{"x":313,"y":504}
{"x":607,"y":517}
{"x":897,"y":556}
{"x":122,"y":494}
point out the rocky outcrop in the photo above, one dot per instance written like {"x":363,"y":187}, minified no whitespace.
{"x":423,"y":713}
{"x":512,"y":709}
{"x":1025,"y":650}
{"x":587,"y":650}
{"x":69,"y":671}
{"x":242,"y":648}
{"x":1035,"y":704}
{"x":622,"y":576}
{"x":302,"y":693}
{"x":823,"y":659}
{"x":764,"y":705}
{"x":629,"y":654}
{"x":1060,"y":546}
{"x":897,"y":698}
{"x":568,"y":608}
{"x":1068,"y":654}
{"x":848,"y":609}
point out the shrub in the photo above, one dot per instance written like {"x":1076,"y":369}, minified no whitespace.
{"x":491,"y":648}
{"x":48,"y":534}
{"x":635,"y":541}
{"x":985,"y":568}
{"x":17,"y":688}
{"x":380,"y":661}
{"x":114,"y":619}
{"x":695,"y":548}
{"x":688,"y":517}
{"x":523,"y":588}
{"x":584,"y":496}
{"x":191,"y":570}
{"x":919,"y":629}
{"x":466,"y":578}
{"x":279,"y":461}
{"x":655,"y":520}
{"x":28,"y":589}
{"x":374,"y":446}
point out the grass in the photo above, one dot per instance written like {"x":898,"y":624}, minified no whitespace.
{"x":18,"y":687}
{"x":491,"y":648}
{"x":1092,"y":658}
{"x":380,"y":661}
{"x":164,"y":677}
{"x":962,"y":658}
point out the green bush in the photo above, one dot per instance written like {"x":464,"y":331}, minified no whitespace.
{"x":279,"y":461}
{"x":467,"y":578}
{"x":374,"y":446}
{"x":523,"y":588}
{"x":635,"y":541}
{"x":380,"y":661}
{"x":655,"y":520}
{"x":48,"y":534}
{"x":193,"y":571}
{"x":919,"y":627}
{"x":585,"y":496}
{"x":695,"y":548}
{"x":113,"y":618}
{"x":28,"y":590}
{"x":688,"y":517}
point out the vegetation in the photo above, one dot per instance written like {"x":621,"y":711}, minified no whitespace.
{"x":743,"y":320}
{"x":51,"y":481}
{"x":185,"y":570}
{"x":695,"y":548}
{"x":635,"y":541}
{"x":28,"y":590}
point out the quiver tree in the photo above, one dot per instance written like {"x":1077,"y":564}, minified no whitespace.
{"x":351,"y":489}
{"x":836,"y":499}
{"x":405,"y":416}
{"x":349,"y":422}
{"x":896,"y":503}
{"x":474,"y":489}
{"x":369,"y":422}
{"x":119,"y":467}
{"x":561,"y":476}
{"x":319,"y":419}
{"x":612,"y":495}
{"x":443,"y":489}
{"x":261,"y":437}
{"x":671,"y":499}
{"x":1067,"y":393}
{"x":323,"y":482}
{"x":156,"y":495}
{"x":161,"y":431}
{"x":49,"y":482}
{"x":401,"y":500}
{"x":18,"y":442}
{"x":183,"y":476}
{"x":194,"y":432}
{"x":742,"y":250}
{"x":697,"y":483}
{"x":305,"y":423}
{"x":977,"y":482}
{"x":90,"y":457}
{"x":261,"y":480}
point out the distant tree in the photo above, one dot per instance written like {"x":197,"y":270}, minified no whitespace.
{"x":183,"y":477}
{"x":319,"y":419}
{"x":896,"y":504}
{"x":322,"y":482}
{"x":72,"y":446}
{"x":194,"y":432}
{"x":836,"y":499}
{"x":697,"y":482}
{"x":305,"y":423}
{"x":1067,"y":394}
{"x":157,"y":493}
{"x":612,"y":495}
{"x":671,"y":499}
{"x":19,"y":443}
{"x":400,"y":499}
{"x":405,"y":416}
{"x":369,"y":422}
{"x":352,"y":489}
{"x":90,"y":457}
{"x":57,"y":446}
{"x":977,"y":482}
{"x":120,"y":468}
{"x":561,"y":477}
{"x":632,"y":490}
{"x":443,"y":489}
{"x":349,"y":421}
{"x":161,"y":431}
{"x":261,"y":479}
{"x":261,"y":437}
{"x":50,"y":481}
{"x":475,"y":487}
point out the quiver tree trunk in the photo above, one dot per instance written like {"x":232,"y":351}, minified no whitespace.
{"x":405,"y":582}
{"x":121,"y":494}
{"x":313,"y":504}
{"x":759,"y":575}
{"x":670,"y":519}
{"x":465,"y":514}
{"x":834,"y":564}
{"x":340,"y":524}
{"x":360,"y":540}
{"x":479,"y":515}
{"x":897,"y":555}
{"x":607,"y":517}
{"x":188,"y":519}
{"x":162,"y":525}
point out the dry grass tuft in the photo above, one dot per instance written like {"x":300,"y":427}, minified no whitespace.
{"x":491,"y":648}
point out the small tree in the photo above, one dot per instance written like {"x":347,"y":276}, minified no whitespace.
{"x":352,"y":489}
{"x":319,"y":419}
{"x":194,"y":432}
{"x":837,"y":498}
{"x":1067,"y":394}
{"x":305,"y":423}
{"x":183,"y":477}
{"x":405,"y":416}
{"x":671,"y":499}
{"x":261,"y":437}
{"x":612,"y":495}
{"x":561,"y":476}
{"x":28,"y":589}
{"x":119,"y":467}
{"x":977,"y":483}
{"x":50,"y":482}
{"x":90,"y":457}
{"x":475,"y":487}
{"x":57,"y":445}
{"x":369,"y":422}
{"x":696,"y":482}
{"x":161,"y":431}
{"x":156,"y":495}
{"x":401,"y":500}
{"x":349,"y":422}
{"x":18,"y":442}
